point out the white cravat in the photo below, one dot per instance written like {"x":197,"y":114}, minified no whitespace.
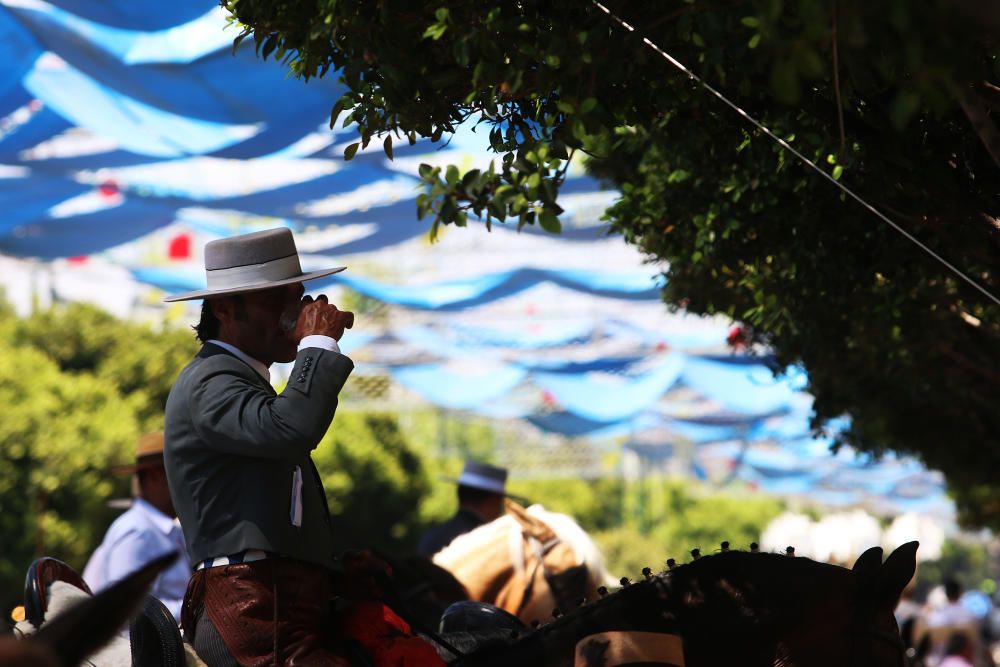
{"x":315,"y":340}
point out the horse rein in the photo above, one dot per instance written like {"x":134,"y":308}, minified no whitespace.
{"x":540,"y":548}
{"x":891,"y":638}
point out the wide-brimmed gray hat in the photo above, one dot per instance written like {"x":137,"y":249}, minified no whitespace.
{"x":251,"y":262}
{"x":484,"y":477}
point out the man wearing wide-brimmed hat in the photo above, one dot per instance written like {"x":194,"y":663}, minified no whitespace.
{"x":481,"y":490}
{"x":146,"y":531}
{"x":238,"y":456}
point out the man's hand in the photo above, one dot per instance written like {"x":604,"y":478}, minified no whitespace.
{"x":322,"y":318}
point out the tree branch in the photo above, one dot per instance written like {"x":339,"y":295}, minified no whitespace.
{"x":990,"y":94}
{"x":972,"y":367}
{"x":978,"y":114}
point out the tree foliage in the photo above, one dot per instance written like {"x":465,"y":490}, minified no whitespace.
{"x":898,"y":100}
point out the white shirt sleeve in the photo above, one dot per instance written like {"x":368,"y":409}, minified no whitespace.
{"x":322,"y":342}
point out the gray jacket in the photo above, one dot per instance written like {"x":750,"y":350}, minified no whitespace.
{"x":238,"y":455}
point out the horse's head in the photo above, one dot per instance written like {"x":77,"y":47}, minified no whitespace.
{"x":856,"y":626}
{"x":528,"y":562}
{"x":875,"y":637}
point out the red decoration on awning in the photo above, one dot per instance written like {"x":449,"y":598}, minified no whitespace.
{"x":109,"y":188}
{"x":737,"y":337}
{"x":180,"y":247}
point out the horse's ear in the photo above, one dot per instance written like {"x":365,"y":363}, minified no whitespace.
{"x":531,"y":525}
{"x":869,"y":563}
{"x":897,"y":572}
{"x":516,"y":511}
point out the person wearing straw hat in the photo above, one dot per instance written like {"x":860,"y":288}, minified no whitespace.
{"x":238,"y":458}
{"x":481,"y":490}
{"x":146,"y":531}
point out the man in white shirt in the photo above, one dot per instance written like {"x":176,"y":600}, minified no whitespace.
{"x":148,"y":529}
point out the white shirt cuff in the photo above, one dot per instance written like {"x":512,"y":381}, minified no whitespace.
{"x":322,"y":342}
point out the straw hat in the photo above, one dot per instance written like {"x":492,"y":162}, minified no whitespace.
{"x":251,"y":262}
{"x":148,"y":454}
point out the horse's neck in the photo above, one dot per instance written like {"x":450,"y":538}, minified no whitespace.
{"x":487,"y":559}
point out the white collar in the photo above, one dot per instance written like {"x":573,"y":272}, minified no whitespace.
{"x":164,"y":523}
{"x":262,"y":370}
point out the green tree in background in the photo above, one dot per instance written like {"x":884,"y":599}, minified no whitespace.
{"x":896,"y":99}
{"x":968,"y":561}
{"x":140,"y":362}
{"x":59,"y":434}
{"x":374,"y":481}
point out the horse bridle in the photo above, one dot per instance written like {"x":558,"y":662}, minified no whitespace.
{"x":540,"y":548}
{"x":864,"y":632}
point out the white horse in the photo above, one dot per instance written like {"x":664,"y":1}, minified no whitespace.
{"x":528,"y":562}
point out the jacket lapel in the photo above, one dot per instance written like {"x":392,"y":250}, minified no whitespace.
{"x":210,"y":350}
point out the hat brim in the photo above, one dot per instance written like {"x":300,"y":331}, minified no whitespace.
{"x":155,"y":461}
{"x":208,"y":293}
{"x":521,"y":499}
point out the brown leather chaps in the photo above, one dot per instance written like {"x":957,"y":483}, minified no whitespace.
{"x":267,"y":612}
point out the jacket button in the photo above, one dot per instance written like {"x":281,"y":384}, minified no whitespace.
{"x":301,"y":379}
{"x":309,"y":360}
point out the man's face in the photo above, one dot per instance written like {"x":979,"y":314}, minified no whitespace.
{"x":253,"y":322}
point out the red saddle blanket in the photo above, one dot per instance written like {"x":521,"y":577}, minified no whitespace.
{"x":386,"y":637}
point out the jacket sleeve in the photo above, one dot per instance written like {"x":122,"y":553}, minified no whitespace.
{"x":234,"y":415}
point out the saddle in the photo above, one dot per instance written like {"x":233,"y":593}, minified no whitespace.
{"x":470,"y":626}
{"x":41,"y":573}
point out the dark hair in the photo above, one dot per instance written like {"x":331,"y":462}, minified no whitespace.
{"x":208,"y":326}
{"x":952,"y":590}
{"x":469,"y":494}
